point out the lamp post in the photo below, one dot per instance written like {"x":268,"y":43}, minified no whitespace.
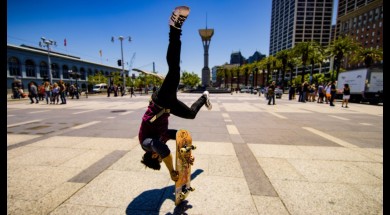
{"x":74,"y":75}
{"x":47,"y":43}
{"x":121,"y":38}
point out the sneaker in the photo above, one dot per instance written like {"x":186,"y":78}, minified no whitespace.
{"x":208,"y":104}
{"x":179,"y":15}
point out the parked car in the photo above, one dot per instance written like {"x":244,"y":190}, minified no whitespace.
{"x":278,"y":93}
{"x":248,"y":90}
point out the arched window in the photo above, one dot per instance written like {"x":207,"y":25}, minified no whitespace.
{"x":74,"y":69}
{"x":30,"y":68}
{"x":43,"y":70}
{"x":82,"y":74}
{"x":14,"y":67}
{"x":74,"y":73}
{"x":65,"y":72}
{"x":55,"y":71}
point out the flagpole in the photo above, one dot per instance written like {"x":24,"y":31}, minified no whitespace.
{"x":66,"y":47}
{"x":101,"y":59}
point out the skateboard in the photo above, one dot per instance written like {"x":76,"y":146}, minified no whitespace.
{"x":150,"y":73}
{"x":184,"y":149}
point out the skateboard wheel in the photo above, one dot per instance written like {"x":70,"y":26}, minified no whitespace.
{"x":183,"y":150}
{"x":181,"y":196}
{"x":193,"y":147}
{"x":191,"y":189}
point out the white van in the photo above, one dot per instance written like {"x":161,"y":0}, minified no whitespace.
{"x":99,"y":88}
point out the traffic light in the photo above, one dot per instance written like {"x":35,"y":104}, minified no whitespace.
{"x":119,"y":62}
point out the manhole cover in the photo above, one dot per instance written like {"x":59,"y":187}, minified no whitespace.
{"x":118,"y":111}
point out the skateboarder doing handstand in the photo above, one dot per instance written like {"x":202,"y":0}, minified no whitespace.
{"x":154,"y":132}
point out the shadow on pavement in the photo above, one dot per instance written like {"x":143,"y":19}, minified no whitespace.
{"x":150,"y":201}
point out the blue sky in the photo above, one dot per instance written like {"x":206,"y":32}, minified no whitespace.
{"x":89,"y":25}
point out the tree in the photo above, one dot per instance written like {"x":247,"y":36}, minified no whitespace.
{"x":316,"y":55}
{"x":225,"y":71}
{"x":292,"y":63}
{"x":231,"y":74}
{"x":220,"y":73}
{"x":190,"y":79}
{"x":244,"y":71}
{"x":342,"y":46}
{"x":270,"y":62}
{"x":303,"y":50}
{"x":283,"y":56}
{"x":368,"y":56}
{"x":236,"y":70}
{"x":97,"y":79}
{"x":262,"y":65}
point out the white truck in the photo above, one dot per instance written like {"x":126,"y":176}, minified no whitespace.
{"x":366,"y":84}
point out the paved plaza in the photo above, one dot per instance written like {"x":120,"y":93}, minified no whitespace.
{"x":251,"y":158}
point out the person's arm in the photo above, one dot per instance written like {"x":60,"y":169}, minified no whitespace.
{"x":168,"y":160}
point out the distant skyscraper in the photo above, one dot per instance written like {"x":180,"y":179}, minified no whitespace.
{"x":237,"y":58}
{"x":295,"y":21}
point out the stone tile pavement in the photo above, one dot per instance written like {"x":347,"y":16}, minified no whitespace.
{"x":85,"y":175}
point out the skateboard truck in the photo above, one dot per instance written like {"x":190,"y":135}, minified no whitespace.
{"x":186,"y":149}
{"x":185,"y":191}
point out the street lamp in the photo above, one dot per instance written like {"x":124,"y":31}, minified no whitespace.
{"x":47,"y":43}
{"x":121,"y":38}
{"x":74,"y":75}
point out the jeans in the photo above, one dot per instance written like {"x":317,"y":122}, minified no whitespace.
{"x":166,"y":96}
{"x":271,"y":97}
{"x":63,"y":98}
{"x":47,"y":96}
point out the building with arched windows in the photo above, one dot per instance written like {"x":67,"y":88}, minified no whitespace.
{"x":28,"y":63}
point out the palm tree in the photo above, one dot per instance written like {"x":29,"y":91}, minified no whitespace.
{"x":283,"y":56}
{"x":303,"y":50}
{"x":315,"y":56}
{"x":251,"y":68}
{"x":244,"y":70}
{"x":236,"y":70}
{"x":256,"y":74}
{"x":367,"y":55}
{"x":342,"y":46}
{"x":231,"y":74}
{"x":220,"y":72}
{"x":270,"y":63}
{"x":225,"y":70}
{"x":262,"y":65}
{"x":278,"y":67}
{"x":292,"y":63}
